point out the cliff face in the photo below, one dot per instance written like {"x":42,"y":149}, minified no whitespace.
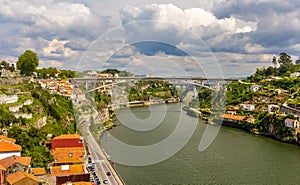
{"x":14,"y":81}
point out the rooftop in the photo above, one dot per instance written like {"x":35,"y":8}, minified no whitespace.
{"x":7,"y":138}
{"x":77,"y":183}
{"x":233,"y":117}
{"x":38,"y":171}
{"x":16,"y":177}
{"x":2,"y":167}
{"x":65,"y":170}
{"x":8,"y":161}
{"x":68,"y":136}
{"x":6,"y":146}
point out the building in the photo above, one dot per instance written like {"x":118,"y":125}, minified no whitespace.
{"x":290,"y":110}
{"x":6,"y":99}
{"x":272,"y":108}
{"x":38,"y":171}
{"x":77,"y":183}
{"x":15,"y":164}
{"x":67,"y":140}
{"x":254,"y":88}
{"x":292,"y":123}
{"x":8,"y":148}
{"x":247,"y":107}
{"x":65,"y":156}
{"x":233,"y":118}
{"x":69,"y":173}
{"x":22,"y":178}
{"x":2,"y":175}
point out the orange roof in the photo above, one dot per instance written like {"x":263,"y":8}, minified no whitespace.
{"x":7,"y":138}
{"x":233,"y":117}
{"x":8,"y":161}
{"x":70,"y":170}
{"x":70,"y":152}
{"x":38,"y":171}
{"x":68,"y":136}
{"x":2,"y":167}
{"x":77,"y":183}
{"x":16,"y":177}
{"x":6,"y":146}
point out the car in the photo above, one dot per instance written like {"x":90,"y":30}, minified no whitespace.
{"x":105,"y":181}
{"x":108,"y":173}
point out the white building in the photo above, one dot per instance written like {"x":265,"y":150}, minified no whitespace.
{"x":8,"y":149}
{"x":247,"y":107}
{"x":272,"y":108}
{"x":254,"y":88}
{"x":23,"y":115}
{"x":295,"y":74}
{"x":291,"y":123}
{"x":15,"y":108}
{"x":5,"y":99}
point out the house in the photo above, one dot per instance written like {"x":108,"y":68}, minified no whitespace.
{"x":71,"y":155}
{"x":22,"y":178}
{"x":14,"y":164}
{"x":2,"y":175}
{"x":6,"y":99}
{"x":23,"y":115}
{"x":15,"y":108}
{"x":67,"y":140}
{"x":272,"y":108}
{"x":290,"y":110}
{"x":291,"y":123}
{"x":7,"y":148}
{"x":66,"y":173}
{"x":77,"y":183}
{"x":295,"y":75}
{"x":11,"y":140}
{"x":254,"y":88}
{"x":247,"y":107}
{"x":233,"y":118}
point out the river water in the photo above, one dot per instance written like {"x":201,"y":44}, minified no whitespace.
{"x":234,"y":157}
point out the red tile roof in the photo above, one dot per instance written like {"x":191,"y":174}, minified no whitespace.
{"x":68,"y":154}
{"x":6,"y":146}
{"x":290,"y":120}
{"x":16,"y":177}
{"x":8,"y":161}
{"x":70,"y":170}
{"x":233,"y":117}
{"x":77,"y":183}
{"x":2,"y":167}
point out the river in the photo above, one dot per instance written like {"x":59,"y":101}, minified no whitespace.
{"x":235,"y":156}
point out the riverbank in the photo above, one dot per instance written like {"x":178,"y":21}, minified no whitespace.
{"x":278,"y":132}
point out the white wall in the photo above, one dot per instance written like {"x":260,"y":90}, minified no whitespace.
{"x":8,"y":154}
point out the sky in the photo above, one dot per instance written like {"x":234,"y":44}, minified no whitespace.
{"x":229,"y":38}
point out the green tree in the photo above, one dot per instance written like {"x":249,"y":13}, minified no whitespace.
{"x":285,"y":62}
{"x":274,"y":61}
{"x":27,"y":62}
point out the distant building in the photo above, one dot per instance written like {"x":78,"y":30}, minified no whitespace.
{"x":22,"y":178}
{"x":67,"y":140}
{"x":272,"y":108}
{"x":277,"y":92}
{"x":254,"y":88}
{"x":295,"y":75}
{"x":247,"y":107}
{"x":291,"y":123}
{"x":6,"y":99}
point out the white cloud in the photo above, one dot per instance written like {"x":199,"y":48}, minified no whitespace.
{"x":57,"y":48}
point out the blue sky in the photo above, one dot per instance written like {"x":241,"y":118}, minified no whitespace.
{"x":219,"y":36}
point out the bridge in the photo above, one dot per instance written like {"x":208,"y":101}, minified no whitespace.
{"x":183,"y":84}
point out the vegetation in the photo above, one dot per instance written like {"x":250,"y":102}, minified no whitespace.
{"x":32,"y":141}
{"x":27,"y":62}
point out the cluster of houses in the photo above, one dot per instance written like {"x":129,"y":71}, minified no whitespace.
{"x":62,"y":87}
{"x":68,"y":166}
{"x":271,"y":109}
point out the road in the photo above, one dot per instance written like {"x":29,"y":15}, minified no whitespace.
{"x":102,"y":165}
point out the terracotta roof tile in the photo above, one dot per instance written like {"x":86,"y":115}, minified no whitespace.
{"x":38,"y":171}
{"x":6,"y":146}
{"x":77,"y":183}
{"x":233,"y":117}
{"x":290,"y":120}
{"x":68,"y":136}
{"x":8,"y":161}
{"x":7,"y":138}
{"x":16,"y":177}
{"x":69,"y":154}
{"x":2,"y":167}
{"x":70,"y":170}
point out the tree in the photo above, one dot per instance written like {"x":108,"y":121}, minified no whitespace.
{"x":27,"y":62}
{"x":285,"y":62}
{"x":274,"y":61}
